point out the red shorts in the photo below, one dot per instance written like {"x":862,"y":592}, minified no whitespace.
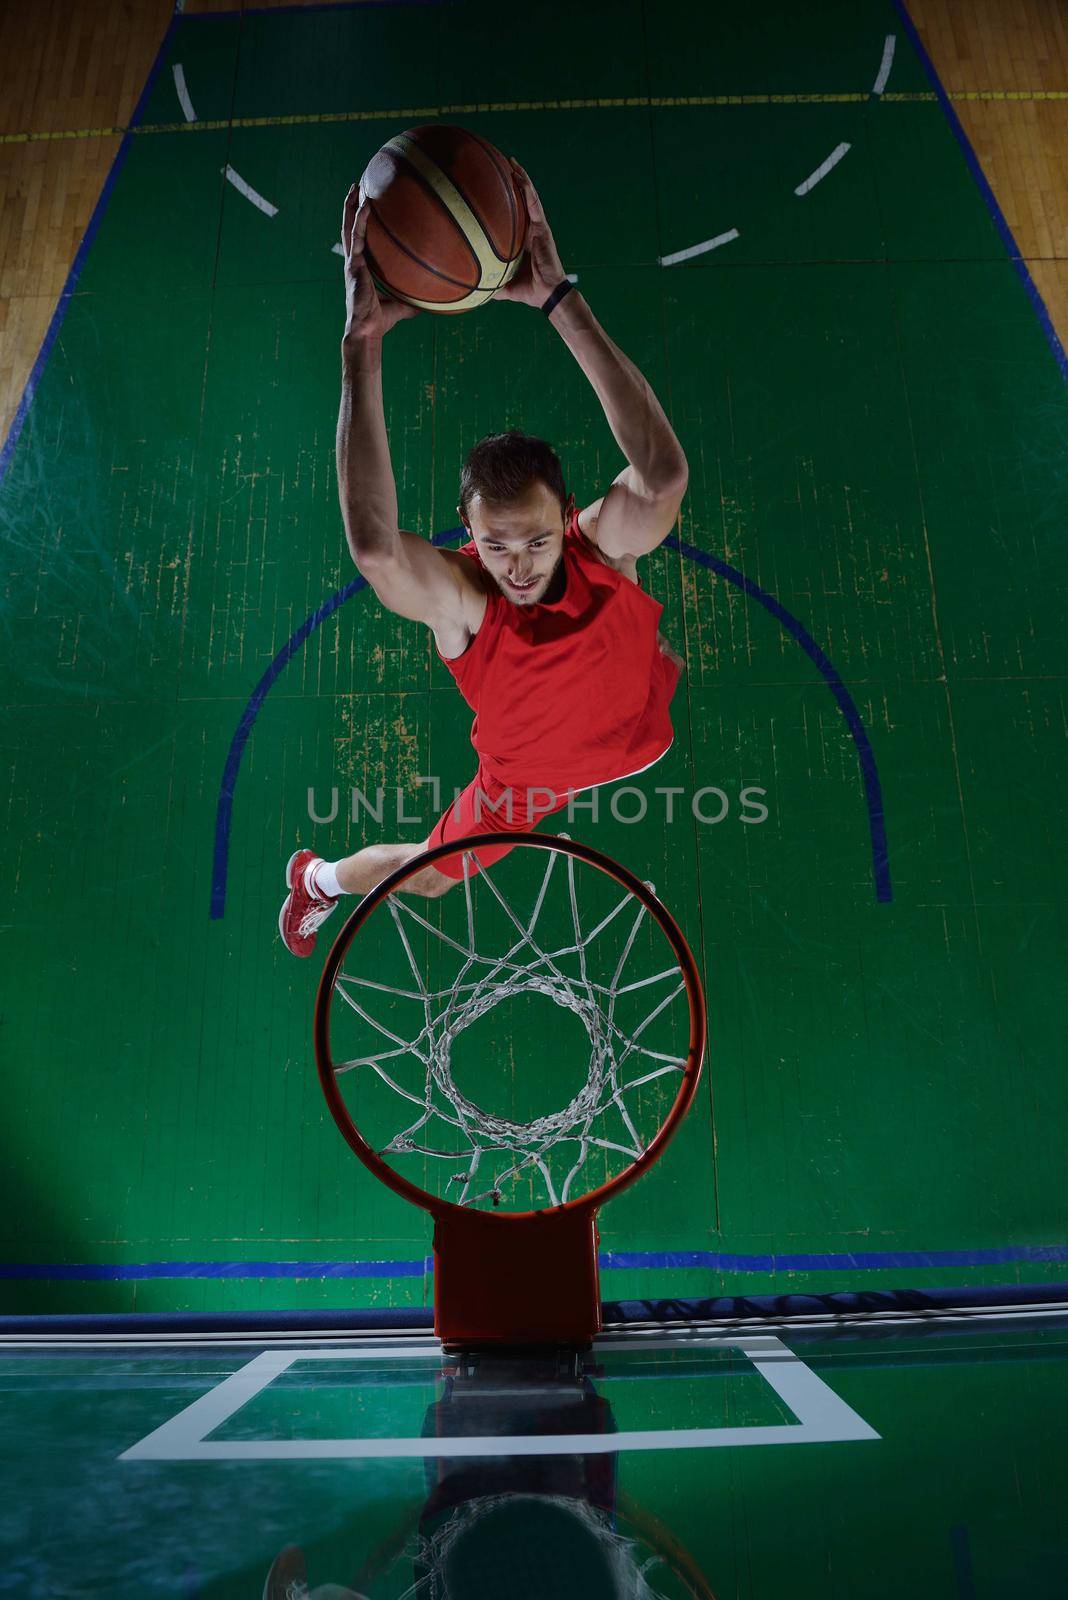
{"x":487,"y":806}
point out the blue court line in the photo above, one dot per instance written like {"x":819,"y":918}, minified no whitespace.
{"x":862,"y":1260}
{"x":869,"y":771}
{"x":873,"y":794}
{"x":191,"y":1270}
{"x":609,"y":1261}
{"x":225,"y":804}
{"x":997,"y":215}
{"x":77,"y":265}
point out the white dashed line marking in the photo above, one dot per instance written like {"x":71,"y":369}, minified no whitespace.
{"x":183,"y":95}
{"x":888,"y":61}
{"x":671,"y":260}
{"x":823,"y":169}
{"x":699,"y":249}
{"x":249,"y":193}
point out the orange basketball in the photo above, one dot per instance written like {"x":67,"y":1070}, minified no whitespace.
{"x":447,"y":223}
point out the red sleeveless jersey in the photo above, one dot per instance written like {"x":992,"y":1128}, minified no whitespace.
{"x":574,"y":693}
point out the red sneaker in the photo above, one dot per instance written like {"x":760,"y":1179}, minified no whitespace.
{"x":303,"y":912}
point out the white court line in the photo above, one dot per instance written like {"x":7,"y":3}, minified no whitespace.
{"x":417,"y":1338}
{"x":822,"y":1417}
{"x":699,"y":249}
{"x":823,"y":169}
{"x":249,"y":192}
{"x":887,"y":63}
{"x":183,"y":95}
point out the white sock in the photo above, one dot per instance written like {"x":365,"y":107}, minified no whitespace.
{"x":320,"y":878}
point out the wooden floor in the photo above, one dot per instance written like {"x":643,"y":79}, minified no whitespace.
{"x":71,"y":72}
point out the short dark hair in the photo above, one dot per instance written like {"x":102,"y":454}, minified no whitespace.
{"x":504,"y":466}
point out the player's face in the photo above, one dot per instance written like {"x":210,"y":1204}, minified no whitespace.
{"x":521,"y":544}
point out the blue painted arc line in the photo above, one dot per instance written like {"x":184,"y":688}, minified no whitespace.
{"x":225,"y":804}
{"x":609,"y":1261}
{"x":873,"y":793}
{"x":866,"y":756}
{"x":1015,"y":255}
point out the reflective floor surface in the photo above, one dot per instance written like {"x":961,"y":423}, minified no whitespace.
{"x":835,"y":1458}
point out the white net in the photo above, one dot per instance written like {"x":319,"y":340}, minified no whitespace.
{"x":591,"y":960}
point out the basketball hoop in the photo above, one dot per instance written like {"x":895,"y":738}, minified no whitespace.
{"x":515,"y":1244}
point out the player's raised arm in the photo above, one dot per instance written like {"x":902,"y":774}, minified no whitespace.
{"x":366,"y":487}
{"x":640,"y":506}
{"x":408,"y":575}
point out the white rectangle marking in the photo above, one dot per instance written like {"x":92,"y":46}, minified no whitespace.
{"x":822,"y":1417}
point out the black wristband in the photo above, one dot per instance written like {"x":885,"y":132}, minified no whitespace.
{"x":557,"y":295}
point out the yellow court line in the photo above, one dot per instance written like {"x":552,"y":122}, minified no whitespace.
{"x":405,"y":113}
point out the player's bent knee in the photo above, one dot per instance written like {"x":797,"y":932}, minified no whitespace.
{"x":430,"y":883}
{"x":439,"y":883}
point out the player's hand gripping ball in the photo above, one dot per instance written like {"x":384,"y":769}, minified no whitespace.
{"x":541,"y":268}
{"x":368,"y":315}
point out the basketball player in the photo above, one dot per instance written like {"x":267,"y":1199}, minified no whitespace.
{"x":541,"y":618}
